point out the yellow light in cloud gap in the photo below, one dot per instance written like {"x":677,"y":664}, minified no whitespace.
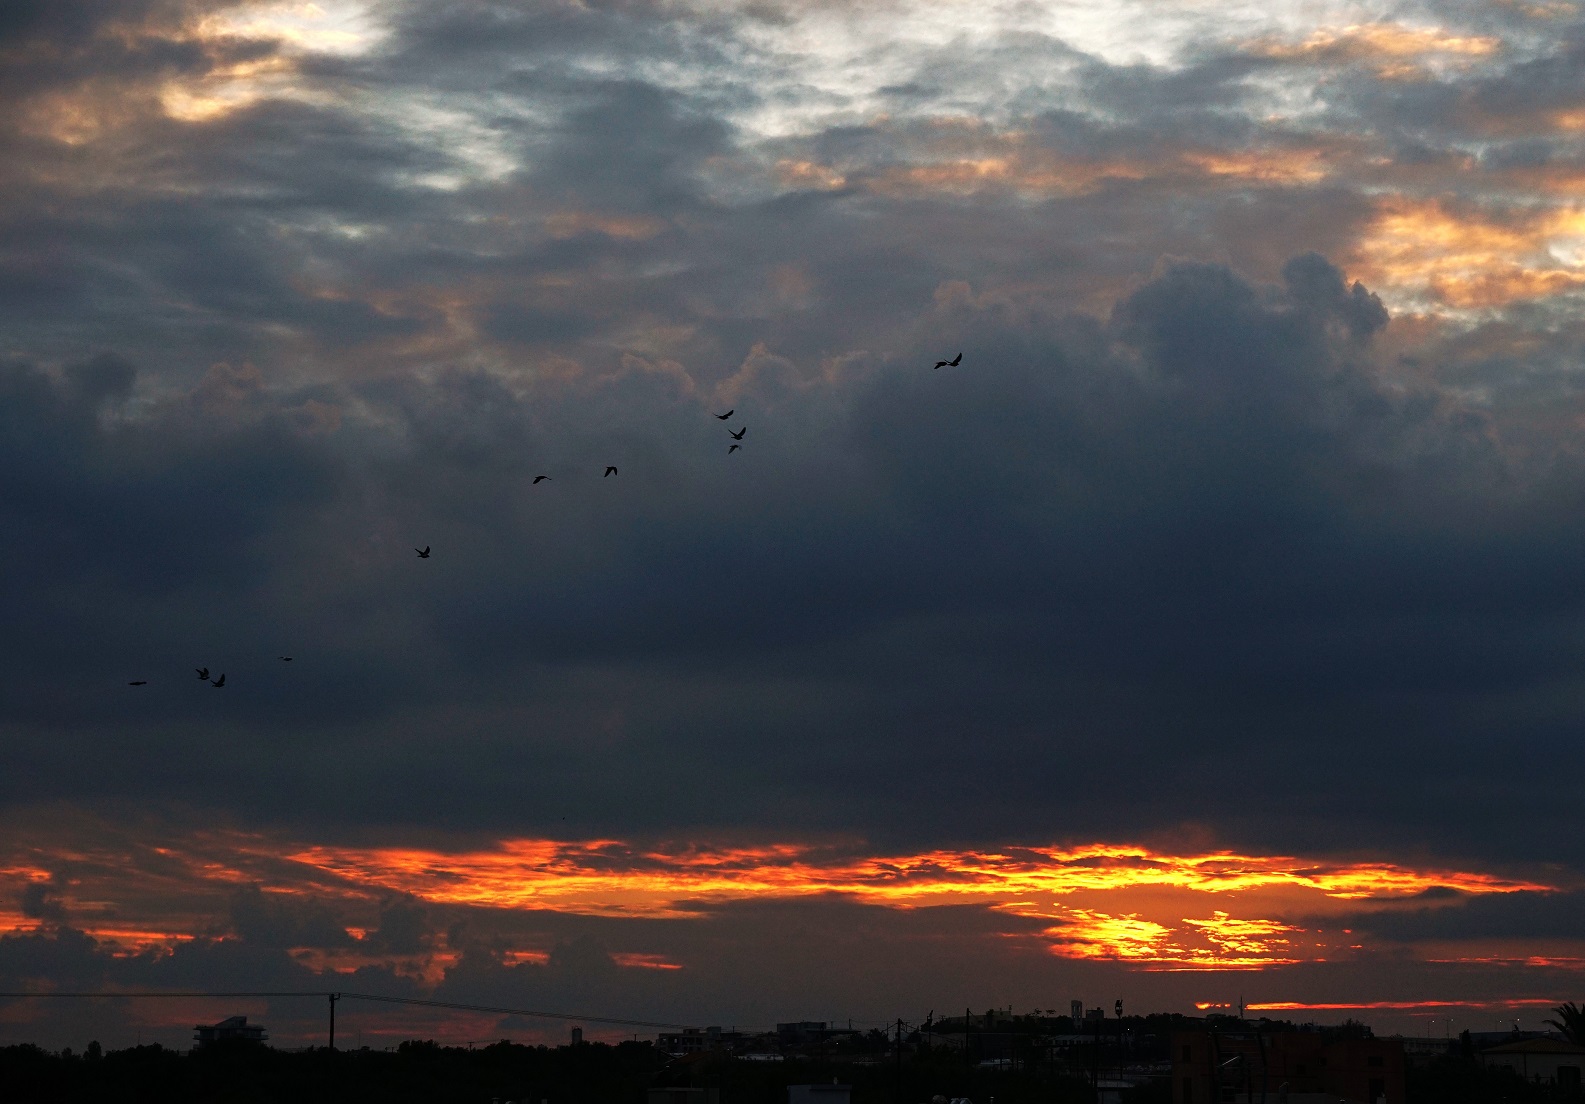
{"x":1151,"y":910}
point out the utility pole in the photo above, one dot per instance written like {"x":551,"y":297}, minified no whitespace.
{"x":1216,"y":1066}
{"x":1265,"y":1073}
{"x":334,"y":997}
{"x":1095,"y":1070}
{"x":899,"y":1096}
{"x":1122,"y":1043}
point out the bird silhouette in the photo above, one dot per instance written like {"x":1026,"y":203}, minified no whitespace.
{"x":139,"y":682}
{"x":732,"y":448}
{"x":286,"y":659}
{"x":609,"y":470}
{"x":728,"y":414}
{"x":738,"y":436}
{"x":953,"y":363}
{"x":423,"y":553}
{"x":540,"y":478}
{"x":219,"y":682}
{"x":203,"y":673}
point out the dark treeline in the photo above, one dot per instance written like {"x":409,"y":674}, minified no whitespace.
{"x":248,"y":1073}
{"x":594,"y":1073}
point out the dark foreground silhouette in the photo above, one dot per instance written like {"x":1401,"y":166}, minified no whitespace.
{"x":588,"y":1073}
{"x":595,"y":1073}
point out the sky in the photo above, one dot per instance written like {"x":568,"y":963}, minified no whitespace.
{"x":1212,"y":632}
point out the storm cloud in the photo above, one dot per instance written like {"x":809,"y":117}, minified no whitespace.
{"x":1250,"y":518}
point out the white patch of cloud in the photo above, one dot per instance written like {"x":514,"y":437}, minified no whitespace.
{"x":343,"y":27}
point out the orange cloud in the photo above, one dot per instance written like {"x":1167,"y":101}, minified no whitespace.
{"x":225,"y":89}
{"x":642,"y":961}
{"x":1149,"y":909}
{"x":1220,"y":942}
{"x":1039,"y":172}
{"x":967,"y":157}
{"x":1393,"y":50}
{"x":1091,"y":934}
{"x":568,"y":224}
{"x":1259,"y":939}
{"x":1470,"y":259}
{"x":1031,"y":173}
{"x":1078,"y":887}
{"x":809,"y":175}
{"x":1277,"y":166}
{"x":609,"y":877}
{"x":1406,"y":1006}
{"x":24,"y":872}
{"x":331,"y":27}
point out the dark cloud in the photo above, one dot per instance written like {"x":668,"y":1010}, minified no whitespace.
{"x":1200,"y":532}
{"x":271,"y":920}
{"x":1508,"y":916}
{"x":42,"y":901}
{"x":105,"y":49}
{"x":1311,"y":279}
{"x":405,"y":928}
{"x":1199,"y":529}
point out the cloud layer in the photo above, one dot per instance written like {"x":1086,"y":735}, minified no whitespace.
{"x":1249,"y":521}
{"x":613,"y":928}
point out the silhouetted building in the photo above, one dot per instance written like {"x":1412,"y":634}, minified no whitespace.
{"x":1112,"y":1090}
{"x":1421,"y":1052}
{"x":690,"y":1040}
{"x":684,"y":1096}
{"x":1480,"y":1040}
{"x":693,"y":1040}
{"x":233,"y":1027}
{"x":577,"y":1036}
{"x":1549,"y":1061}
{"x":804,"y":1031}
{"x":1240,"y":1064}
{"x":819,"y":1094}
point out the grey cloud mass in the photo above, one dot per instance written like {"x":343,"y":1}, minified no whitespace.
{"x":1204,"y":529}
{"x":1253,"y":513}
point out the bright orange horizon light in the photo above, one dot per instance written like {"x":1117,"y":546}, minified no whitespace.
{"x":610,"y":877}
{"x":1392,"y":1006}
{"x":1168,"y":924}
{"x":1150,"y":910}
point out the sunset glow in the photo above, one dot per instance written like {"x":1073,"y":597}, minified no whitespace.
{"x":1393,"y":50}
{"x":724,"y":510}
{"x":1396,"y":1006}
{"x":606,"y":876}
{"x":1151,"y":910}
{"x":1463,"y":259}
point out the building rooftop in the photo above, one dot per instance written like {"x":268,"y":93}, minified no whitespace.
{"x":1536,"y":1046}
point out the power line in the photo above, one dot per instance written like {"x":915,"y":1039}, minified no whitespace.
{"x":341,"y":995}
{"x":512,"y":1011}
{"x":170,"y":993}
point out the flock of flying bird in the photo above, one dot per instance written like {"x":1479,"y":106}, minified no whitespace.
{"x":203,"y":676}
{"x":610,"y":470}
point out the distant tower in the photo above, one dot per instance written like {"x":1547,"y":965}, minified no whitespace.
{"x":1076,"y":1010}
{"x":577,"y":1036}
